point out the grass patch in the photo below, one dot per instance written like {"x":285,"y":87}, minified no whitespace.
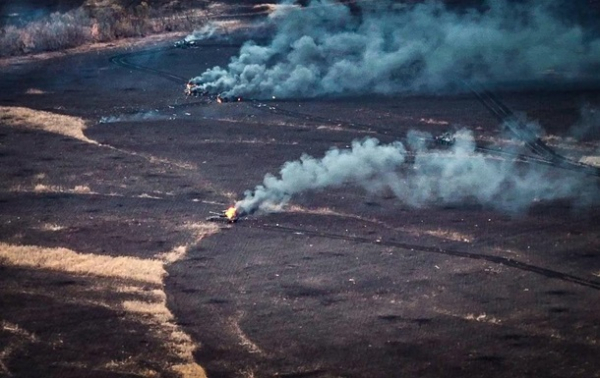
{"x":96,"y":22}
{"x":40,"y":120}
{"x":146,"y":305}
{"x":68,"y":261}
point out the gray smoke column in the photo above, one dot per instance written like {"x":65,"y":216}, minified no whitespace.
{"x":454,"y":176}
{"x":588,"y":125}
{"x":365,"y":163}
{"x":325,"y":49}
{"x":462,"y":175}
{"x":140,"y":116}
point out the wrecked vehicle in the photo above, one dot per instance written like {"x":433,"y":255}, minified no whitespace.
{"x":193,"y":89}
{"x":185,"y":44}
{"x":445,"y":139}
{"x":230,"y":215}
{"x":223,"y":99}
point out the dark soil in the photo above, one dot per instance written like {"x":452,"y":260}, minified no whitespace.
{"x":368,"y":288}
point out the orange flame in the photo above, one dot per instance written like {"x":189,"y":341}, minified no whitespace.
{"x":231,"y":213}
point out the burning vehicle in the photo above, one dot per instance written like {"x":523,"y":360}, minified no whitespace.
{"x":445,"y":139}
{"x":230,"y":215}
{"x":223,"y":99}
{"x":185,"y":44}
{"x":193,"y":89}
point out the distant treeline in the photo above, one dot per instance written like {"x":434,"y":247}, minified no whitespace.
{"x":37,"y":30}
{"x":61,"y":30}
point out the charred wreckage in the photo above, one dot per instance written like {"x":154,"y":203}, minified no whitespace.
{"x":193,"y":89}
{"x":230,"y":215}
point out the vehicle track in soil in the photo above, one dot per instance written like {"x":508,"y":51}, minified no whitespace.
{"x":540,"y":156}
{"x":508,"y":262}
{"x":507,"y":117}
{"x":545,"y":155}
{"x":121,"y":60}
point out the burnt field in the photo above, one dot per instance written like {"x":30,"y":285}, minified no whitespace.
{"x":109,"y":269}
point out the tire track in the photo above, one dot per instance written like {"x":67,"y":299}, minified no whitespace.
{"x":122,"y":61}
{"x":545,"y":155}
{"x":506,"y":116}
{"x":508,"y":262}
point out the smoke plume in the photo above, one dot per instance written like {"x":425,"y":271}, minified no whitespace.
{"x":387,"y":47}
{"x":140,"y":116}
{"x":438,"y":177}
{"x":367,"y":161}
{"x":588,"y":125}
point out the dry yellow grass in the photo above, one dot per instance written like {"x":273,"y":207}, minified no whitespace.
{"x":41,"y":120}
{"x":449,"y":235}
{"x":200,"y":230}
{"x":68,"y":261}
{"x":148,"y":307}
{"x":173,"y":255}
{"x":157,"y":310}
{"x":78,"y":189}
{"x":591,"y":160}
{"x":190,"y":370}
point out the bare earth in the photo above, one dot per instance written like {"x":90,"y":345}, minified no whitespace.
{"x":108,"y":269}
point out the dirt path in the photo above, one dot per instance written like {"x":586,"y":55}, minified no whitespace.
{"x":103,"y":272}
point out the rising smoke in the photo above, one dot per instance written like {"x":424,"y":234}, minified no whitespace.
{"x":135,"y":117}
{"x":388,"y":47}
{"x":588,"y":125}
{"x":438,"y":177}
{"x":366,"y":162}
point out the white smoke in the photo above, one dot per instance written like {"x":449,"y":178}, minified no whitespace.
{"x":588,"y":125}
{"x":366,"y":162}
{"x":461,"y":174}
{"x":232,"y":32}
{"x":140,"y":116}
{"x":210,"y":30}
{"x":453,"y":176}
{"x":325,"y":49}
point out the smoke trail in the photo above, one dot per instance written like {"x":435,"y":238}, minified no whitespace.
{"x":233,"y":32}
{"x":325,"y":49}
{"x":452,"y":176}
{"x":461,"y":175}
{"x":588,"y":125}
{"x":210,"y":30}
{"x":140,"y":116}
{"x":366,"y":162}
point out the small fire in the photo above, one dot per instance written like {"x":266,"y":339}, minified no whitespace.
{"x":221,"y":99}
{"x":231,"y":213}
{"x":188,"y":89}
